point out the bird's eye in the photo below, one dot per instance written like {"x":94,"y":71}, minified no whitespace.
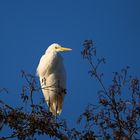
{"x":56,"y":47}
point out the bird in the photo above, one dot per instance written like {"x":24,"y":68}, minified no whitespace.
{"x":52,"y":75}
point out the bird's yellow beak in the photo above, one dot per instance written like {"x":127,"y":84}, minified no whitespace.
{"x":65,"y":49}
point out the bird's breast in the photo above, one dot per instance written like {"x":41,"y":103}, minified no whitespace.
{"x":56,"y":72}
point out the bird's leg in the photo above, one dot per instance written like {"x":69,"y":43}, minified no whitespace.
{"x":44,"y":81}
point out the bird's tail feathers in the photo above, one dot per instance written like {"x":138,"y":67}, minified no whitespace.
{"x":55,"y":112}
{"x":55,"y":108}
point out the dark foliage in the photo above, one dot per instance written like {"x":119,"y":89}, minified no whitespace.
{"x":116,"y":116}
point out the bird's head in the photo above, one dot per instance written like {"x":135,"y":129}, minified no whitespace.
{"x":57,"y":48}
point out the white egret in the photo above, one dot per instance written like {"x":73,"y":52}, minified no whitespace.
{"x":52,"y":76}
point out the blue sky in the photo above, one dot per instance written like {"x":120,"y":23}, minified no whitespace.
{"x":27,"y":28}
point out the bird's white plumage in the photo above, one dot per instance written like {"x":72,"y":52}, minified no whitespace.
{"x":52,"y":76}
